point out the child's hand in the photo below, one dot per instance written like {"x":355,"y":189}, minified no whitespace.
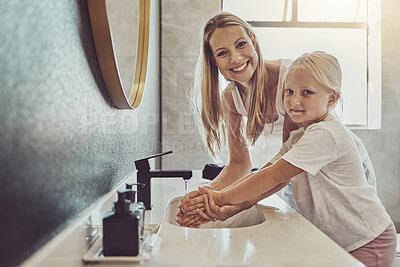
{"x":194,"y":195}
{"x":195,"y":203}
{"x":215,"y":211}
{"x":216,"y":195}
{"x":211,"y":211}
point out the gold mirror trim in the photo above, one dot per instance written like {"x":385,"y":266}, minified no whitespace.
{"x":142,"y":58}
{"x":107,"y":58}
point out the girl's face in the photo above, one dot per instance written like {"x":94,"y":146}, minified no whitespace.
{"x":306,"y":100}
{"x":234,"y":53}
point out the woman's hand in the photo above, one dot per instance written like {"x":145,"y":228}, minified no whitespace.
{"x":185,"y":220}
{"x":189,"y":202}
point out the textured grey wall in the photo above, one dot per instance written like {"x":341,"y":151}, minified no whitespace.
{"x":62,"y":143}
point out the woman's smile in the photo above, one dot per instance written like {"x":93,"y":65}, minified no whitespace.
{"x":241,"y":68}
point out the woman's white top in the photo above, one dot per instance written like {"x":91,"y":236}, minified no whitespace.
{"x":265,"y":147}
{"x":332,"y":192}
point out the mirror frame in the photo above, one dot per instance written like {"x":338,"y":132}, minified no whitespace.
{"x":106,"y":54}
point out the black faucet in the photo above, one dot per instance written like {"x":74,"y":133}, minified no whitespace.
{"x":144,"y":175}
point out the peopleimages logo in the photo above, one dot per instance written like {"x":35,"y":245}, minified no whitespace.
{"x":128,"y":147}
{"x":123,"y":122}
{"x":177,"y":146}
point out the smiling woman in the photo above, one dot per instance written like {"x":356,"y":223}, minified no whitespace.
{"x":116,"y":55}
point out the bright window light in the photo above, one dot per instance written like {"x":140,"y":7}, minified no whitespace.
{"x":348,"y":29}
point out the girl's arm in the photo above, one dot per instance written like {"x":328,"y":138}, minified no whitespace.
{"x":227,"y":211}
{"x":269,"y":192}
{"x":213,"y":210}
{"x":258,"y":184}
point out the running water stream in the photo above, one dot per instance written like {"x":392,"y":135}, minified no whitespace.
{"x":186,"y":186}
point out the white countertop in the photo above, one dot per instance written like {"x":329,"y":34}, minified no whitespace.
{"x":284,"y":239}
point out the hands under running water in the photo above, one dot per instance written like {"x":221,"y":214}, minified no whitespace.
{"x":205,"y":205}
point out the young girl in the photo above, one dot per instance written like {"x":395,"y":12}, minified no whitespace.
{"x":254,"y":91}
{"x":322,"y":162}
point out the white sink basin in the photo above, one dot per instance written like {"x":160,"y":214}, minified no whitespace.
{"x":249,"y":217}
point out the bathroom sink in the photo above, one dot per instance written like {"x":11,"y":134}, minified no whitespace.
{"x":249,"y":217}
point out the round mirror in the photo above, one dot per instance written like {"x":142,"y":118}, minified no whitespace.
{"x":123,"y":18}
{"x":120,"y":31}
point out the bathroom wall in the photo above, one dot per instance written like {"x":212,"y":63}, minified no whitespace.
{"x":63,"y":145}
{"x":180,"y":48}
{"x":180,"y":44}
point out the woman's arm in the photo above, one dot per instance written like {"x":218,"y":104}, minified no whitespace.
{"x":239,"y":157}
{"x":244,"y":178}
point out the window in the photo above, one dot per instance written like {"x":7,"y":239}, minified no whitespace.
{"x":348,"y":29}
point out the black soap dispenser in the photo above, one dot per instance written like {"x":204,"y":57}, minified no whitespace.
{"x":120,"y":230}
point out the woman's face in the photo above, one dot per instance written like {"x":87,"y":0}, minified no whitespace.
{"x":234,"y":53}
{"x":306,"y":100}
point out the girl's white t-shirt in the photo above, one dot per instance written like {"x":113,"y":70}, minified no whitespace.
{"x":332,"y":192}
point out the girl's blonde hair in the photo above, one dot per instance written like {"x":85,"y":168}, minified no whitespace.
{"x":206,"y":96}
{"x":323,"y":67}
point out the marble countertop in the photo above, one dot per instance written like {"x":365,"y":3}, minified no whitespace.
{"x":285,"y":238}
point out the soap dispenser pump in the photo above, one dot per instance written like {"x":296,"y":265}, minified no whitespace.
{"x":136,"y":206}
{"x":120,"y":230}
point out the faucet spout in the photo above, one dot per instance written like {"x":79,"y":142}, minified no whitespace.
{"x":186,"y":175}
{"x":144,"y":175}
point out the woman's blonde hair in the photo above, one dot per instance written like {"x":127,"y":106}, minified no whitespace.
{"x":206,"y":96}
{"x":323,"y":67}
